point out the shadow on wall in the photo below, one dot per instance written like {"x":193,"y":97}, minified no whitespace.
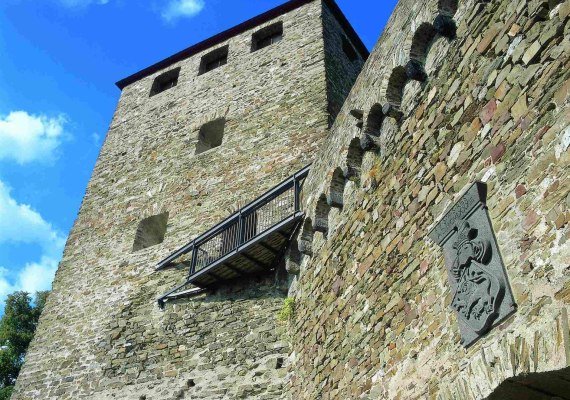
{"x":271,"y":285}
{"x":554,"y":385}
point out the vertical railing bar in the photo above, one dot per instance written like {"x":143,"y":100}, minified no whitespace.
{"x":194,"y":260}
{"x":240,"y":227}
{"x":296,"y":189}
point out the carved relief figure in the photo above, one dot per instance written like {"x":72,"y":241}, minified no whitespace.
{"x":478,"y":293}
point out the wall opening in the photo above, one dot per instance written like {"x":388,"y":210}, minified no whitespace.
{"x":374,"y":120}
{"x":165,"y":81}
{"x":447,"y":7}
{"x":322,"y":209}
{"x":396,"y":83}
{"x":267,"y":36}
{"x":421,"y":42}
{"x":211,"y":135}
{"x":214,"y":59}
{"x":354,"y":160}
{"x":348,"y":49}
{"x":336,"y":190}
{"x":150,"y":231}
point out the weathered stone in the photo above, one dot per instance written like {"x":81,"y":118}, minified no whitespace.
{"x":488,"y":111}
{"x":102,"y":326}
{"x":372,"y":316}
{"x":487,"y":39}
{"x":531,"y":53}
{"x":520,"y":108}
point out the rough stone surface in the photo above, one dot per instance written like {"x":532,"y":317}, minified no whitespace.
{"x":372,"y":302}
{"x":374,"y":318}
{"x":102,"y":335}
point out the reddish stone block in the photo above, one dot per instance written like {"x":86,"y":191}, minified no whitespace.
{"x":497,"y":152}
{"x":424,"y":267}
{"x":530,"y":220}
{"x":520,"y":191}
{"x":541,"y":133}
{"x":488,"y":111}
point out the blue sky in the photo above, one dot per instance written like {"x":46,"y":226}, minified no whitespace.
{"x":59,"y":62}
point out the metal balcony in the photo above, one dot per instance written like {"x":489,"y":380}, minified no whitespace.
{"x":251,"y":241}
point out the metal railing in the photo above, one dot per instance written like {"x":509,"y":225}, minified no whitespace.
{"x":261,"y":216}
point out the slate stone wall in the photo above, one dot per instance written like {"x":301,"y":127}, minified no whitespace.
{"x":102,"y":335}
{"x":373,"y":317}
{"x":455,"y":91}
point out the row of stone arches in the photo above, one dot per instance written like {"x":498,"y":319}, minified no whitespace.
{"x":381,"y":119}
{"x":333,"y":197}
{"x":373,"y":126}
{"x":417,"y":52}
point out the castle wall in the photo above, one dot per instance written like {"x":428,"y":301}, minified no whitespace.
{"x":373,"y":317}
{"x":341,"y":72}
{"x":102,"y":335}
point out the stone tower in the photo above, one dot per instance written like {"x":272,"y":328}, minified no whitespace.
{"x":193,"y":137}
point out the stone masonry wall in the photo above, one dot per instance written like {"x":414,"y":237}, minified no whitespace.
{"x":102,"y":335}
{"x":340,"y":70}
{"x":435,"y":109}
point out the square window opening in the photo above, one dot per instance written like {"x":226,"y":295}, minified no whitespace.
{"x":349,"y":49}
{"x":165,"y":81}
{"x":267,"y":36}
{"x":150,"y":232}
{"x":214,"y":59}
{"x":211,"y":135}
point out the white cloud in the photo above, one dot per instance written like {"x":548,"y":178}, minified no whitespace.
{"x":81,"y":3}
{"x":96,"y":138}
{"x":26,"y":138}
{"x":182,"y":8}
{"x":34,"y":277}
{"x":19,"y":223}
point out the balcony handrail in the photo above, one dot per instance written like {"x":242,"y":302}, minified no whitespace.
{"x":242,"y":212}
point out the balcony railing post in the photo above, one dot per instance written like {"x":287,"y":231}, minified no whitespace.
{"x":297,"y":194}
{"x":241,"y":228}
{"x":194,"y":260}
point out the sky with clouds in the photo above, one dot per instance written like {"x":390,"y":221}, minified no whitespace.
{"x":60,"y":59}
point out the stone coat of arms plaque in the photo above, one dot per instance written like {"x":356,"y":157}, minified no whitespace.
{"x":481,"y":294}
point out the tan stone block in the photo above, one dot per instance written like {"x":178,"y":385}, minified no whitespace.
{"x":562,"y":94}
{"x":514,"y":31}
{"x":502,"y":90}
{"x":564,"y":10}
{"x":487,"y":39}
{"x":564,"y":293}
{"x":531,"y":53}
{"x":520,"y":108}
{"x":439,"y":171}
